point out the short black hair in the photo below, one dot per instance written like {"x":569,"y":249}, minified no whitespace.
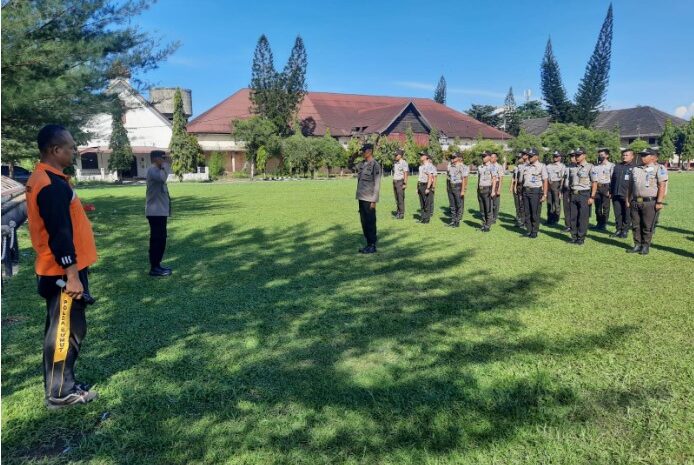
{"x":50,"y":134}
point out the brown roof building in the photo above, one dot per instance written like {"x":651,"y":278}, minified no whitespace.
{"x":346,"y":115}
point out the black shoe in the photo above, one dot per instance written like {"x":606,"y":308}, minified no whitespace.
{"x":616,"y":234}
{"x":635,"y":249}
{"x":579,"y":242}
{"x":624,"y":235}
{"x":533,"y":236}
{"x":368,"y":249}
{"x":159,"y":271}
{"x":572,"y":240}
{"x":456,"y":224}
{"x":645,"y":249}
{"x":165,"y":268}
{"x":567,"y":229}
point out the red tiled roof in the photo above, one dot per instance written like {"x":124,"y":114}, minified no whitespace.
{"x":342,"y":112}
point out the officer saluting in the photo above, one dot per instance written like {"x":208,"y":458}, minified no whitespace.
{"x":517,"y":187}
{"x":425,"y":186}
{"x":555,"y":171}
{"x":619,"y":186}
{"x":580,"y":184}
{"x":534,"y":192}
{"x":368,"y":188}
{"x":566,"y":191}
{"x":602,"y":172}
{"x":646,"y":194}
{"x":486,"y":187}
{"x":457,"y":184}
{"x":400,"y":173}
{"x":496,"y":198}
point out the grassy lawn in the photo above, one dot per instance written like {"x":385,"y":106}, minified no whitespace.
{"x":275,"y":342}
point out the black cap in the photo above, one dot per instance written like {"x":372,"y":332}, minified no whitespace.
{"x":533,"y":152}
{"x":579,"y":151}
{"x":648,"y":151}
{"x":524,"y":151}
{"x":603,"y":149}
{"x":557,"y":153}
{"x":423,"y":153}
{"x":455,"y":155}
{"x":572,"y":153}
{"x":486,"y":153}
{"x":157,"y":154}
{"x":366,"y":146}
{"x":399,"y":152}
{"x":625,"y":149}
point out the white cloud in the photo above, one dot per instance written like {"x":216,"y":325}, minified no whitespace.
{"x":415,"y":85}
{"x":685,"y":111}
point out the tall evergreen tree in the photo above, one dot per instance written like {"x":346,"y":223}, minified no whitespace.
{"x":184,"y":148}
{"x":553,"y":91}
{"x":265,"y":83}
{"x":593,"y":87}
{"x":411,"y":147}
{"x":293,"y":79}
{"x":121,"y":152}
{"x":511,"y":120}
{"x":667,"y":140}
{"x":688,"y":146}
{"x":440,"y":92}
{"x":434,"y":147}
{"x":484,"y":114}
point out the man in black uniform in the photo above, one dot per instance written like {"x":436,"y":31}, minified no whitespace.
{"x":619,"y":185}
{"x":368,"y":188}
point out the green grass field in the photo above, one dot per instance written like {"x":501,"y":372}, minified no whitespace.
{"x":275,"y":342}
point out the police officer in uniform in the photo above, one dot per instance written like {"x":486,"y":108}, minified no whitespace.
{"x":457,"y":184}
{"x":517,"y":187}
{"x":496,"y":199}
{"x":580,"y":185}
{"x":426,"y":183}
{"x":601,"y":188}
{"x":555,"y":171}
{"x":619,"y":186}
{"x":646,"y":195}
{"x":486,"y":188}
{"x":368,"y":188}
{"x":566,"y":191}
{"x":535,"y":183}
{"x":400,"y":173}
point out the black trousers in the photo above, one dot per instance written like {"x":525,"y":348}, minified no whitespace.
{"x":426,"y":201}
{"x":566,"y":197}
{"x":643,"y":220}
{"x":456,"y":201}
{"x":157,"y":239}
{"x":554,"y":202}
{"x":399,"y":191}
{"x":496,"y":204}
{"x":520,"y":206}
{"x":532,"y":197}
{"x":602,"y":204}
{"x":59,"y":377}
{"x":579,"y":215}
{"x":484,"y":197}
{"x":367,"y":215}
{"x":622,"y":216}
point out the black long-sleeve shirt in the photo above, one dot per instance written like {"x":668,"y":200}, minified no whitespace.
{"x":621,"y":176}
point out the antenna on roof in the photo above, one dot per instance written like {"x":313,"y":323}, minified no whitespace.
{"x":527,"y":93}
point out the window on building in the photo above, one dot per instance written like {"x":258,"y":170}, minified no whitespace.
{"x":653,"y":140}
{"x":90,"y":161}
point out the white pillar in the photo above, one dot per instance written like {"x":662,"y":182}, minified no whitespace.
{"x":233,"y":162}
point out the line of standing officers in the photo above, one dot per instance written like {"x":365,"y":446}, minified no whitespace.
{"x":636,"y":193}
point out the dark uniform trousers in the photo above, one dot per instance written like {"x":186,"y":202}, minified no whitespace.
{"x":643,"y":220}
{"x":531,"y":198}
{"x":602,"y":204}
{"x":157,"y":239}
{"x":579,"y":214}
{"x":622,"y":216}
{"x":566,"y":197}
{"x":554,"y":202}
{"x":368,"y":221}
{"x":426,"y":201}
{"x":484,"y":196}
{"x":399,"y":190}
{"x":520,"y":205}
{"x":456,"y":201}
{"x":59,"y":378}
{"x":496,"y":204}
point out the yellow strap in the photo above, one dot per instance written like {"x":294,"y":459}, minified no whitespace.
{"x":62,"y":335}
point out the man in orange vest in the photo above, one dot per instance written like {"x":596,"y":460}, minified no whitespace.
{"x":62,"y":237}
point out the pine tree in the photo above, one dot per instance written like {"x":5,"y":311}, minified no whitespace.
{"x":184,"y":148}
{"x":511,"y":120}
{"x":411,"y":147}
{"x":265,"y":83}
{"x":293,"y":79}
{"x":440,"y":92}
{"x":593,"y":86}
{"x":553,"y":91}
{"x":667,"y":140}
{"x":121,"y":152}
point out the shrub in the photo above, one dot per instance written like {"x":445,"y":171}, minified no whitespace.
{"x":216,"y":164}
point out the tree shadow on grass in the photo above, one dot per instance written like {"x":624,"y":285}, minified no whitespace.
{"x":273,"y":341}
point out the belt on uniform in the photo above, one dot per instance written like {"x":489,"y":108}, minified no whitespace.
{"x":532,"y":189}
{"x":579,"y":192}
{"x":422,"y":183}
{"x":456,"y":183}
{"x":645,"y":199}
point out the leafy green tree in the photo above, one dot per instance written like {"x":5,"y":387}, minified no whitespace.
{"x":553,"y":91}
{"x":57,"y":59}
{"x":688,"y":145}
{"x":608,"y":139}
{"x":353,"y":148}
{"x":484,"y":114}
{"x":525,"y":141}
{"x":216,"y":164}
{"x":566,"y":137}
{"x":593,"y":86}
{"x":440,"y":92}
{"x":531,"y":109}
{"x":121,"y":152}
{"x":254,"y":132}
{"x":261,"y":158}
{"x":434,"y":147}
{"x":511,"y":121}
{"x":411,"y":147}
{"x":334,"y":155}
{"x":639,"y":145}
{"x":384,"y":151}
{"x":667,"y":140}
{"x":473,"y":155}
{"x":184,"y":148}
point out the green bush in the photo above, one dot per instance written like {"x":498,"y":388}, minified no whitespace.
{"x":216,"y":164}
{"x":243,"y":174}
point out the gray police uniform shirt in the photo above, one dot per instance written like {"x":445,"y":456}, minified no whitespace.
{"x":645,"y":179}
{"x":425,"y":171}
{"x":534,"y":175}
{"x":399,"y":169}
{"x":567,"y":176}
{"x":498,"y":170}
{"x":369,"y":181}
{"x":518,"y":172}
{"x":580,"y":177}
{"x":486,"y":175}
{"x":556,"y":172}
{"x":456,"y":173}
{"x":602,"y":173}
{"x":157,"y":200}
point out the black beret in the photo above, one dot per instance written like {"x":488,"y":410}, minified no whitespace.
{"x":367,"y":146}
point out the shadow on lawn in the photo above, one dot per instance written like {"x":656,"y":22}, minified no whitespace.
{"x":284,"y":341}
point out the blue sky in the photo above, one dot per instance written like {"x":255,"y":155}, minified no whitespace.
{"x":402,"y":47}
